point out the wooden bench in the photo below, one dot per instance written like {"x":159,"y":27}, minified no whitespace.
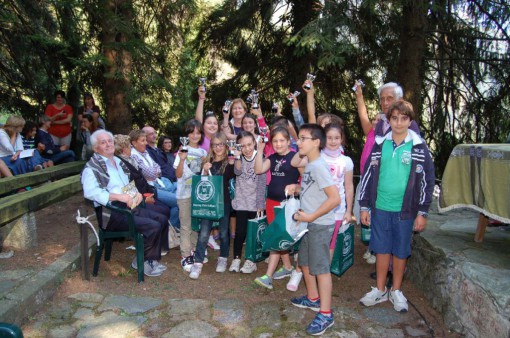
{"x":18,"y":227}
{"x":10,"y":184}
{"x":14,"y":206}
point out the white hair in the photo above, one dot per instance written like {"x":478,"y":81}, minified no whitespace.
{"x":95,"y":135}
{"x":399,"y":93}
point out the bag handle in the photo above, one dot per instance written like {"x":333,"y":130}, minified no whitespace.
{"x":209,"y":170}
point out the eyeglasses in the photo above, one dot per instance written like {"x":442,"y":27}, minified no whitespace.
{"x":303,"y":139}
{"x":218,"y":145}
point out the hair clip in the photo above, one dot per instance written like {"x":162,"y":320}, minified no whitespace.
{"x":208,"y":113}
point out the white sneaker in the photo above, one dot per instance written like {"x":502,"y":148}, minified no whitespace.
{"x":235,"y":265}
{"x":196,"y":269}
{"x":367,"y":254}
{"x":187,"y":263}
{"x":295,"y":279}
{"x":371,"y":260}
{"x":212,"y":243}
{"x":222,"y":264}
{"x":398,"y":300}
{"x":249,"y":267}
{"x":374,"y":297}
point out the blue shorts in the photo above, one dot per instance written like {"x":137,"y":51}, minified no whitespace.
{"x":390,"y":234}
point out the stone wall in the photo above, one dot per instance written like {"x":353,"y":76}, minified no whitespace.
{"x":473,"y":298}
{"x":20,"y":234}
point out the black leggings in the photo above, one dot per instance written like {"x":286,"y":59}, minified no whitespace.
{"x":242,"y":218}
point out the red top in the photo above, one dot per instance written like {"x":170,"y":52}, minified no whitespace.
{"x":59,"y":130}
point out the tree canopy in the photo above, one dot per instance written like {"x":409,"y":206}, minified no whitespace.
{"x":142,"y":59}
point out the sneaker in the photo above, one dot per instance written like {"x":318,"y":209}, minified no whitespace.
{"x":187,"y":263}
{"x":374,"y":297}
{"x":305,"y":303}
{"x":221,"y":266}
{"x":265,"y":281}
{"x":212,"y":243}
{"x":367,"y":254}
{"x":282,"y":272}
{"x":249,"y":267}
{"x":398,"y":300}
{"x":320,"y":324}
{"x":294,"y":281}
{"x":196,"y":269}
{"x":159,"y":266}
{"x":236,"y":264}
{"x":150,"y":270}
{"x":371,"y":259}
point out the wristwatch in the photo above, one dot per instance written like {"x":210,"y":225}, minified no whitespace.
{"x":423,"y":214}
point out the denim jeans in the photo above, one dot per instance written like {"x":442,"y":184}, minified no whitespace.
{"x":62,"y":157}
{"x":166,"y":194}
{"x":205,"y":231}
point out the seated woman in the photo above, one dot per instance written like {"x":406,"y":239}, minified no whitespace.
{"x":165,"y":144}
{"x":123,"y":152}
{"x":4,"y":170}
{"x":11,"y":146}
{"x":152,"y":173}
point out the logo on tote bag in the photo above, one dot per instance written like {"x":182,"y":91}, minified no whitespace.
{"x":205,"y":191}
{"x":347,"y":244}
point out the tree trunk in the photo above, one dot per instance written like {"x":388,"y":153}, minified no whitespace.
{"x":119,"y":63}
{"x":412,"y":52}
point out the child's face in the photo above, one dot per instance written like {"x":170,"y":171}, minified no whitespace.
{"x":211,"y":125}
{"x":305,"y":142}
{"x":248,"y":125}
{"x":280,"y":144}
{"x":247,"y":146}
{"x":194,"y":137}
{"x":218,"y":147}
{"x":333,"y":139}
{"x":32,"y":132}
{"x":399,"y":123}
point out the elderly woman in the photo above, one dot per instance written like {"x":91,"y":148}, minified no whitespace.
{"x":11,"y":146}
{"x":123,"y":152}
{"x":61,"y":115}
{"x":152,"y":173}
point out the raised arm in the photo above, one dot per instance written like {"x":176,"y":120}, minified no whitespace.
{"x":261,"y":165}
{"x":310,"y":101}
{"x":199,"y":112}
{"x":366,"y":125}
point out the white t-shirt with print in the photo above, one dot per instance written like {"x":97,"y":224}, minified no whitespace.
{"x":338,"y":166}
{"x":191,"y":166}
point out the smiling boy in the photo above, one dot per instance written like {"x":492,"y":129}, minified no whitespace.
{"x":397,"y":188}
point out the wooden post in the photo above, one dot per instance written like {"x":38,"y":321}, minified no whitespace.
{"x":483,"y":221}
{"x":84,"y":240}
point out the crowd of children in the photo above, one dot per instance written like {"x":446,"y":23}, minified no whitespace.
{"x":270,"y":163}
{"x":311,"y":164}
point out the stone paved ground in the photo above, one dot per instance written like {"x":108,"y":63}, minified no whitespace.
{"x":97,"y":315}
{"x":217,"y":305}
